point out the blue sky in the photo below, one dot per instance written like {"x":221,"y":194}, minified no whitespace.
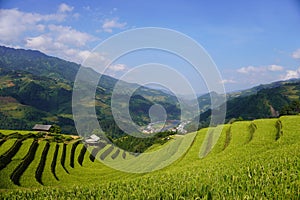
{"x":251,"y":42}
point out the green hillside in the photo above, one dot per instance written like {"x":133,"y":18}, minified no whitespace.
{"x":251,"y":160}
{"x":269,"y":101}
{"x":36,"y":88}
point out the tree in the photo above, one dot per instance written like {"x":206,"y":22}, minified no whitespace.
{"x":291,"y":109}
{"x":55,"y":129}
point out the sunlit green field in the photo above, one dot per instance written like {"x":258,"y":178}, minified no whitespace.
{"x":250,"y":160}
{"x":8,"y":132}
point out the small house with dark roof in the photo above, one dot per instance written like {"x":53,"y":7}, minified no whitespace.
{"x":40,"y":127}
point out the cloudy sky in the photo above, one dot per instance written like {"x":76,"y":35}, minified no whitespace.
{"x":251,"y":42}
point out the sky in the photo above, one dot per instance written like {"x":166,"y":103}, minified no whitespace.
{"x":251,"y":42}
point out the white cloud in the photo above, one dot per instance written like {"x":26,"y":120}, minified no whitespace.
{"x":274,"y":68}
{"x":250,"y":69}
{"x":117,"y":67}
{"x":65,"y":8}
{"x":296,"y":54}
{"x":13,"y":23}
{"x":45,"y":33}
{"x":110,"y":24}
{"x":50,"y":44}
{"x":291,"y":74}
{"x":245,"y":70}
{"x":225,"y":81}
{"x":97,"y":61}
{"x":41,"y":42}
{"x":67,"y":35}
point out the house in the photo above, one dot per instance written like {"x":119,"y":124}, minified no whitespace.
{"x":40,"y":127}
{"x":92,"y":140}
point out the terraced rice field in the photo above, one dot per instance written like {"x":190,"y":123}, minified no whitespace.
{"x":249,"y":160}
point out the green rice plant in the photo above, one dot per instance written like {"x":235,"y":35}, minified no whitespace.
{"x":279,"y":129}
{"x":227,"y":138}
{"x":54,"y":161}
{"x":41,"y":166}
{"x":18,"y":172}
{"x":252,"y":128}
{"x":240,"y":135}
{"x":30,"y":175}
{"x":7,"y":145}
{"x":93,"y":153}
{"x":115,"y":155}
{"x":22,"y":132}
{"x":16,"y":160}
{"x":106,"y":152}
{"x":63,"y":157}
{"x":2,"y":141}
{"x":50,"y":172}
{"x":74,"y":145}
{"x":236,"y":168}
{"x":7,"y":156}
{"x":81,"y":155}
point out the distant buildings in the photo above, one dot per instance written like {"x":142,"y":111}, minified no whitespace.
{"x":92,"y":140}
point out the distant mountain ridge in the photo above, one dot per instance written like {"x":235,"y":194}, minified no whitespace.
{"x":204,"y":100}
{"x":36,"y":88}
{"x":263,"y":101}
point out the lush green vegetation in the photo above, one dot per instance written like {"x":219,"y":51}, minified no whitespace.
{"x":291,"y":109}
{"x":279,"y":98}
{"x":36,"y":88}
{"x":251,"y":160}
{"x":139,"y":145}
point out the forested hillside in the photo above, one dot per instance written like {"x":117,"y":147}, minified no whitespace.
{"x":36,"y":88}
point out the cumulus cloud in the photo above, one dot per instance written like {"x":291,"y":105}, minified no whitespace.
{"x":13,"y":23}
{"x":296,"y":54}
{"x":42,"y":32}
{"x":245,"y":70}
{"x":65,"y":8}
{"x":110,"y":24}
{"x":250,"y":69}
{"x":41,"y":42}
{"x":274,"y":68}
{"x":66,"y":34}
{"x":290,"y":74}
{"x":62,"y":41}
{"x":51,"y":44}
{"x":117,"y":67}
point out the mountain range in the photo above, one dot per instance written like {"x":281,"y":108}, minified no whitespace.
{"x":37,"y":88}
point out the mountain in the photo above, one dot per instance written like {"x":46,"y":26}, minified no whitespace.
{"x":263,"y":101}
{"x":36,"y":88}
{"x":258,"y":88}
{"x":204,"y":100}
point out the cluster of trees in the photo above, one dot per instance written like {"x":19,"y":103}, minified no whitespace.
{"x":291,"y":109}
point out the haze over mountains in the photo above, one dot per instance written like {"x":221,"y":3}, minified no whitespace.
{"x":36,"y":88}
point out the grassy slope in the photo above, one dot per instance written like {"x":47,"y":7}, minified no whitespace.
{"x":244,"y":163}
{"x":8,"y":132}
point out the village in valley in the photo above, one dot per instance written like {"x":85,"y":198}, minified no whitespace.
{"x":172,"y":125}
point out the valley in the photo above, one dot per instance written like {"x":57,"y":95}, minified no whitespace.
{"x":243,"y":163}
{"x":256,"y":154}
